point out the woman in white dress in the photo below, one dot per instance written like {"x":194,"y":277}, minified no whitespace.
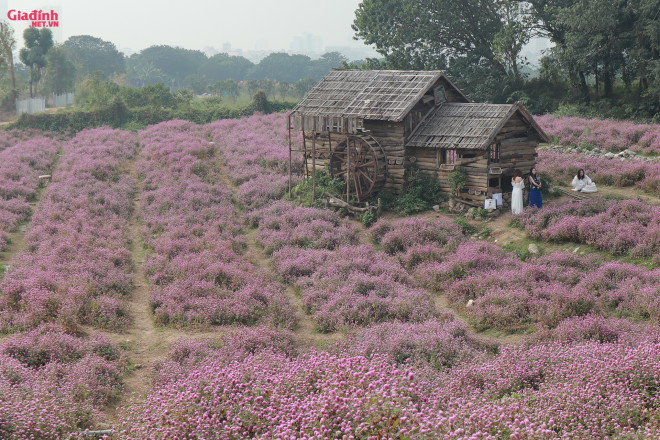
{"x":582,"y":182}
{"x":518,"y":184}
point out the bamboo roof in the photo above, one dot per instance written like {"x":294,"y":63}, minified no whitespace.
{"x":368,"y":94}
{"x":468,"y":125}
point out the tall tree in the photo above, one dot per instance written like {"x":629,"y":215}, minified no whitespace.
{"x":175,"y":63}
{"x":425,"y":33}
{"x":7,"y":47}
{"x":222,"y":66}
{"x":37,"y":44}
{"x":60,"y":71}
{"x":91,"y":54}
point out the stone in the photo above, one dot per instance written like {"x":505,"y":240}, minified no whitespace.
{"x":576,"y":249}
{"x":533,"y":249}
{"x":609,"y":155}
{"x":470,"y":302}
{"x":452,"y":203}
{"x":436,"y":208}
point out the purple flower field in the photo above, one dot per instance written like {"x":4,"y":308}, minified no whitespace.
{"x":313,"y":328}
{"x":561,"y":168}
{"x":628,"y":227}
{"x":75,"y":267}
{"x":197,"y":272}
{"x":20,"y":168}
{"x":605,"y":134}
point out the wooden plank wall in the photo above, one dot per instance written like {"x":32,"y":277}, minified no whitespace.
{"x":429,"y":160}
{"x":517,"y":147}
{"x":388,"y":134}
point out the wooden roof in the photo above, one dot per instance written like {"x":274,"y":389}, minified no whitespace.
{"x":368,"y":94}
{"x":468,"y":125}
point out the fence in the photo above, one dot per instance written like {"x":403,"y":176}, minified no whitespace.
{"x":38,"y":104}
{"x":30,"y":105}
{"x":62,"y":100}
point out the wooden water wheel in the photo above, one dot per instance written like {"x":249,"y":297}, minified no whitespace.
{"x":361,"y":161}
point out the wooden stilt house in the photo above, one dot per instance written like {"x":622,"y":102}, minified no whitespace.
{"x":368,"y":127}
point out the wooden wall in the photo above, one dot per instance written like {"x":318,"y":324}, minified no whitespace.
{"x":388,"y":134}
{"x":517,"y":150}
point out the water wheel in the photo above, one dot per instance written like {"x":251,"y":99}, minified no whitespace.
{"x":360,"y":160}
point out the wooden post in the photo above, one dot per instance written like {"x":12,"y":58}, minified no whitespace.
{"x":305,"y":156}
{"x":348,"y":167}
{"x":289,"y":127}
{"x":314,"y":163}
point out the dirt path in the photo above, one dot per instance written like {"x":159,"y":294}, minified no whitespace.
{"x":145,"y":343}
{"x":305,"y":331}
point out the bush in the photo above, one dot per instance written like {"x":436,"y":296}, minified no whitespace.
{"x":420,"y":191}
{"x":325,"y":183}
{"x":368,"y":218}
{"x":457,"y":180}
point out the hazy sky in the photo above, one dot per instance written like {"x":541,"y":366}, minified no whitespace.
{"x":195,"y":24}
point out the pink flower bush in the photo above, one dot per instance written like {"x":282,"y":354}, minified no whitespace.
{"x":588,"y":390}
{"x":435,"y":344}
{"x":235,"y":346}
{"x":20,"y":167}
{"x":561,"y":168}
{"x":53,"y":384}
{"x":605,"y":134}
{"x":196,"y":268}
{"x":75,"y":267}
{"x":629,"y":227}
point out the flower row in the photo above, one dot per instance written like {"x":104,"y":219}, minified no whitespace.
{"x":20,"y":167}
{"x":196,"y":264}
{"x":605,"y":134}
{"x":76,"y":266}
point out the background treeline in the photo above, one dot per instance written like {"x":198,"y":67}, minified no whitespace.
{"x":49,"y":68}
{"x":605,"y":61}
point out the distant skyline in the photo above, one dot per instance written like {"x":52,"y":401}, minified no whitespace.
{"x":251,"y":25}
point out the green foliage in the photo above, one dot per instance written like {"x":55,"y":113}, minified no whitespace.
{"x":91,"y":54}
{"x":408,"y":204}
{"x":457,"y":180}
{"x":466,"y":227}
{"x":37,"y":44}
{"x":325,"y":183}
{"x":520,"y":249}
{"x":368,"y":218}
{"x":60,"y":72}
{"x":485,"y":232}
{"x":479,"y":213}
{"x":420,"y":191}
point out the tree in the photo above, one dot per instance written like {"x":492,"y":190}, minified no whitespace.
{"x":328,"y":61}
{"x":7,"y":47}
{"x":37,"y":44}
{"x":60,"y":71}
{"x":222,"y":66}
{"x":91,"y":54}
{"x":197,"y":83}
{"x":424,"y":34}
{"x":281,"y":67}
{"x":175,"y":63}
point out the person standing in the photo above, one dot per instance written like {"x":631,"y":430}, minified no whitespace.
{"x":518,"y":184}
{"x":535,"y":198}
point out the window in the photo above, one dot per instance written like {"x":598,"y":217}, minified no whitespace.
{"x":439,"y":94}
{"x":495,"y":152}
{"x":449,"y":157}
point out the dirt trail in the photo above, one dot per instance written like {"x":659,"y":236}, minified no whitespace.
{"x":145,"y":343}
{"x":305,"y":331}
{"x":17,"y":237}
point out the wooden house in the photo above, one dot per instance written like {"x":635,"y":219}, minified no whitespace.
{"x":368,"y":127}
